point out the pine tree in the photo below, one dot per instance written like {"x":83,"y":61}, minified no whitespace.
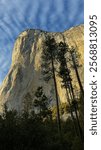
{"x":49,"y":68}
{"x":74,"y":55}
{"x":41,"y":103}
{"x":64,"y":73}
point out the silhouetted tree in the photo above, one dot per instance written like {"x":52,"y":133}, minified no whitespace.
{"x":41,"y":103}
{"x":75,"y":56}
{"x":64,"y":73}
{"x":49,"y":68}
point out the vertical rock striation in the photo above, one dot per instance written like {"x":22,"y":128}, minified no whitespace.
{"x":25,"y":72}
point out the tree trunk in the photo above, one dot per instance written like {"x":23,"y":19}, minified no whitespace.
{"x":56,"y":94}
{"x":71,"y":91}
{"x":80,"y":129}
{"x":72,"y":116}
{"x":77,"y":74}
{"x":75,"y":110}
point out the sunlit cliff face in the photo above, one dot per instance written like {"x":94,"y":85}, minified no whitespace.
{"x":25,"y":72}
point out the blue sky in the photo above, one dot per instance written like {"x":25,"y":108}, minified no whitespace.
{"x":19,"y":15}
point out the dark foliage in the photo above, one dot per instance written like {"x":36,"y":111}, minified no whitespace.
{"x":31,"y":133}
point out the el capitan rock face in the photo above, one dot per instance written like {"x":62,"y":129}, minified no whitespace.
{"x":25,"y":72}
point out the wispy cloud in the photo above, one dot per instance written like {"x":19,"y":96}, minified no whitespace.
{"x":17,"y":15}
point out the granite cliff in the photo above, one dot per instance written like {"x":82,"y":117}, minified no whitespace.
{"x":25,"y":72}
